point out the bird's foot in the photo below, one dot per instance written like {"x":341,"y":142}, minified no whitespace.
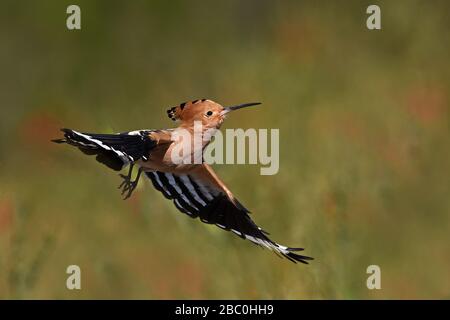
{"x":127,"y":186}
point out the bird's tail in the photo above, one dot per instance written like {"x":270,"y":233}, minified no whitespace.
{"x":280,"y":250}
{"x":294,"y":257}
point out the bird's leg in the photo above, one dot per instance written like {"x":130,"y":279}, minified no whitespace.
{"x":131,"y":185}
{"x":126,"y":178}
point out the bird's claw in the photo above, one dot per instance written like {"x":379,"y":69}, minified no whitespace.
{"x":127,"y":186}
{"x":126,"y":179}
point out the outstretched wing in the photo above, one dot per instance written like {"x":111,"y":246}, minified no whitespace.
{"x":113,"y":150}
{"x":199,"y":193}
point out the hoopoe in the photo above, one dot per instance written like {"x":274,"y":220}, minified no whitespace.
{"x":194,"y":188}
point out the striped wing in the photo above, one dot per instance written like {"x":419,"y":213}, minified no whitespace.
{"x":113,"y":150}
{"x":197,"y":197}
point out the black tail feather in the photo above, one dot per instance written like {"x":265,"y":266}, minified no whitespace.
{"x":294,"y":257}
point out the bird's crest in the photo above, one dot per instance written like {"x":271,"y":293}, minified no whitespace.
{"x":174,"y":113}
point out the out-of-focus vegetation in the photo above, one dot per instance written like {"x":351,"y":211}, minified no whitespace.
{"x":364,"y":164}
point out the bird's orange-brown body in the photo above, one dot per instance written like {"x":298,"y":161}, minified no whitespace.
{"x":193,"y":186}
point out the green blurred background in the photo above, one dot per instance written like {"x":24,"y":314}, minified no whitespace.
{"x":364,"y":151}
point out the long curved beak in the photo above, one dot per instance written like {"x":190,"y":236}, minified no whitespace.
{"x":239,"y":106}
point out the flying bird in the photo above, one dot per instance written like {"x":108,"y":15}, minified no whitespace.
{"x":194,"y":188}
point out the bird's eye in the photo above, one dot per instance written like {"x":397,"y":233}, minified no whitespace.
{"x":209,"y":113}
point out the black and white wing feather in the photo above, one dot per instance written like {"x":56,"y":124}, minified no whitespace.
{"x":113,"y":150}
{"x":192,"y":196}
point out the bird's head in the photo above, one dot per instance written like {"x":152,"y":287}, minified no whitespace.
{"x":210,"y":113}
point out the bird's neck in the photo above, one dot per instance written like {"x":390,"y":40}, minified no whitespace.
{"x":198,"y":132}
{"x":189,"y":143}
